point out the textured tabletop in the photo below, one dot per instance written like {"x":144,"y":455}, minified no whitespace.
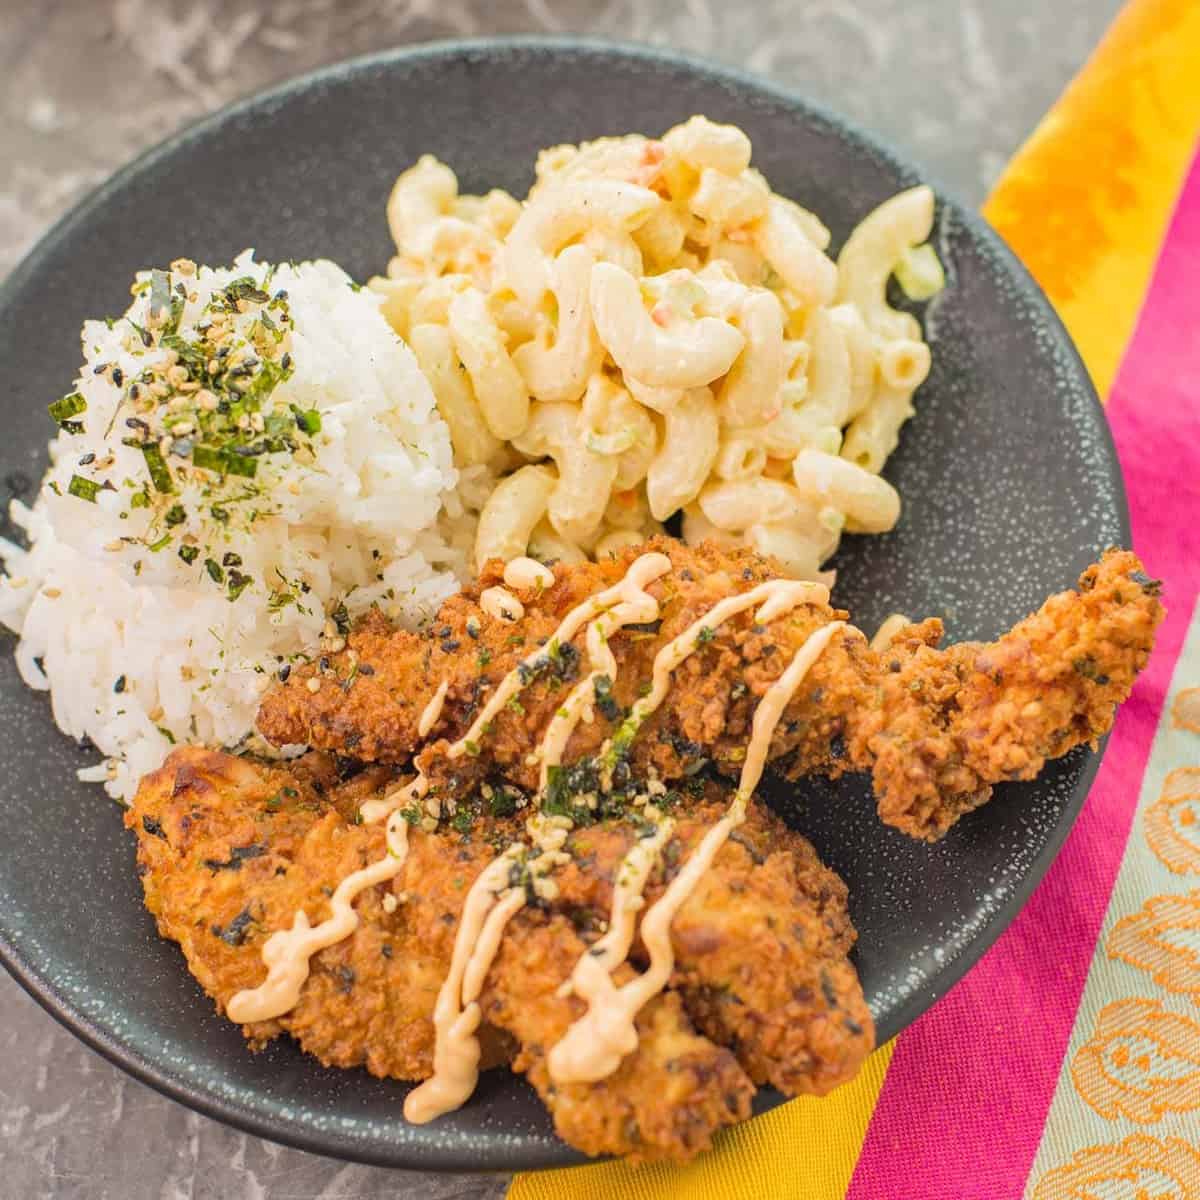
{"x":85,"y":85}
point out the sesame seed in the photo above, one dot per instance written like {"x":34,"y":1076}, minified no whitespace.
{"x":390,"y":903}
{"x":51,"y":593}
{"x":313,"y":685}
{"x":184,"y":266}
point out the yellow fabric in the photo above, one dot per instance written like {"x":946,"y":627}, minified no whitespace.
{"x":1117,"y":111}
{"x":1134,"y":109}
{"x":805,"y":1150}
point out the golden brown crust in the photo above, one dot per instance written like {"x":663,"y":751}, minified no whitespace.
{"x":369,"y":999}
{"x":936,"y":728}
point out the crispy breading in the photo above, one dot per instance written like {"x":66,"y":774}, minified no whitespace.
{"x":230,"y":848}
{"x":666,"y":1099}
{"x":936,"y":728}
{"x":760,"y":945}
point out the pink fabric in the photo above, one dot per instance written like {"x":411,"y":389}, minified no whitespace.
{"x":961,"y":1112}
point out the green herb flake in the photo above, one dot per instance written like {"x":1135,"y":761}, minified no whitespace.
{"x":69,"y":406}
{"x":308,"y":420}
{"x":189,"y":554}
{"x":215,"y":573}
{"x":84,"y":489}
{"x":160,"y":473}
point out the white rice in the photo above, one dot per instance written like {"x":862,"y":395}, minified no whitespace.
{"x":140,"y":649}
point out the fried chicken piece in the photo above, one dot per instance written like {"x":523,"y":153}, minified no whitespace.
{"x":760,"y":944}
{"x":665,"y":1100}
{"x":936,"y":728}
{"x":229,"y":848}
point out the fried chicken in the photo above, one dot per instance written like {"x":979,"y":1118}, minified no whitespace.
{"x":229,"y":849}
{"x":935,"y":728}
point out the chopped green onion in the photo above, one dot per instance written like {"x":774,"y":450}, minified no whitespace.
{"x":189,"y":554}
{"x":160,"y":544}
{"x":215,"y":573}
{"x":919,"y":273}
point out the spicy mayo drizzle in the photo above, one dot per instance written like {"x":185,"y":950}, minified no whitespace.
{"x":433,"y":710}
{"x":286,"y":952}
{"x":489,"y":906}
{"x":632,"y":605}
{"x":594,"y":1045}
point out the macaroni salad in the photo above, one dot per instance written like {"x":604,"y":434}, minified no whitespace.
{"x":655,"y":331}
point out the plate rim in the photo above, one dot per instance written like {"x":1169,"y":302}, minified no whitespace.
{"x":503,"y":1160}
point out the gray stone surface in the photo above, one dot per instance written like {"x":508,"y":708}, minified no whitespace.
{"x":957,"y":84}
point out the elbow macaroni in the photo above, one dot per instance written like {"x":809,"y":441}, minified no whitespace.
{"x":652,"y":331}
{"x":686,"y":454}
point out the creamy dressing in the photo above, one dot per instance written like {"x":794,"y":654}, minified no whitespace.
{"x":527,"y":573}
{"x":489,"y":906}
{"x":501,"y":604}
{"x":433,"y":710}
{"x":287,"y":952}
{"x":635,"y":606}
{"x":772,"y":599}
{"x":645,"y":569}
{"x":595,"y":1044}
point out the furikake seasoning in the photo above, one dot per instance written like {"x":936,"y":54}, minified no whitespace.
{"x":205,"y":415}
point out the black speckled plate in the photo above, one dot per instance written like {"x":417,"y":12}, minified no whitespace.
{"x":1010,"y":485}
